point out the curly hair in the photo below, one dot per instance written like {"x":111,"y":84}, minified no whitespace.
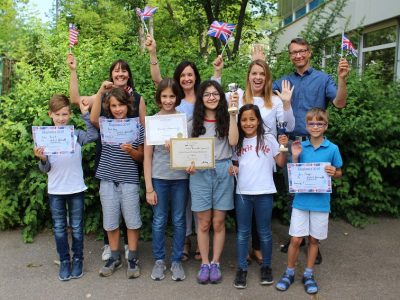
{"x":221,"y":112}
{"x":122,"y":96}
{"x":260,"y":128}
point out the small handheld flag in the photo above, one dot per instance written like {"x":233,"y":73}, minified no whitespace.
{"x":73,"y":35}
{"x":221,"y":30}
{"x":347,"y":45}
{"x":146,"y":14}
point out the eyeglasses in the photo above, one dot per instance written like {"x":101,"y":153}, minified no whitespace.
{"x":301,"y":52}
{"x":316,"y":124}
{"x":208,"y":95}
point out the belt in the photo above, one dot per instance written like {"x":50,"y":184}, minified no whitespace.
{"x":301,"y":138}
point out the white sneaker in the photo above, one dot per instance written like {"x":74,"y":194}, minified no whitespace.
{"x":106,"y":253}
{"x":126,"y":252}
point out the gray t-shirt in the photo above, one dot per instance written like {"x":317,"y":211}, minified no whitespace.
{"x":161,"y":165}
{"x":222,"y":150}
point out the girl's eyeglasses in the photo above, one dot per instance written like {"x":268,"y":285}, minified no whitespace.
{"x":316,"y":124}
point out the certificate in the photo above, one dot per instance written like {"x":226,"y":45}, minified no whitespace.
{"x":54,"y":139}
{"x":197,"y":151}
{"x":118,"y":131}
{"x":160,"y":128}
{"x":309,"y":178}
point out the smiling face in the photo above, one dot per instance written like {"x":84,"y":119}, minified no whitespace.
{"x":249,"y":123}
{"x":168,"y":100}
{"x":119,"y":76}
{"x":256,"y":80}
{"x":211,"y":98}
{"x":300,"y":56}
{"x":118,"y":109}
{"x":60,"y":117}
{"x":316,"y":128}
{"x":187,"y":79}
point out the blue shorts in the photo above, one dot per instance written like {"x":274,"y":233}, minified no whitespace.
{"x":212,"y":188}
{"x":116,"y":198}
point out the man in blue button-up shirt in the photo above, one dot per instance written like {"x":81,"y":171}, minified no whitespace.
{"x":312,"y":88}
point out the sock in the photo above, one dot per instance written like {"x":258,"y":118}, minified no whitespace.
{"x":308,"y":272}
{"x":132,"y":254}
{"x":290,"y":271}
{"x":115,"y":254}
{"x":213,"y":262}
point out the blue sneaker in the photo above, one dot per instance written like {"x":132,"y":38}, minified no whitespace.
{"x":77,"y":268}
{"x":215,"y":273}
{"x":204,"y":274}
{"x":65,"y":270}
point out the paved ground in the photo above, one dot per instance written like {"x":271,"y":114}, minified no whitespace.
{"x":358,"y":264}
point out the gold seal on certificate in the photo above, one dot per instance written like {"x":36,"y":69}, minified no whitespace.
{"x":161,"y":128}
{"x":199,"y":152}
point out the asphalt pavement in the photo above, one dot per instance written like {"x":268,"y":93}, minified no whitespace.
{"x":357,"y":264}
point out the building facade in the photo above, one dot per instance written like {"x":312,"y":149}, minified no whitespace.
{"x":379,"y":20}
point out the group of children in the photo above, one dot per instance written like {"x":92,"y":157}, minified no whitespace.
{"x":244,"y":148}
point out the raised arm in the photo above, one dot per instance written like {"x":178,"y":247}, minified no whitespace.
{"x":154,"y":66}
{"x":341,"y":94}
{"x":96,"y":107}
{"x":233,"y":135}
{"x":286,"y":114}
{"x":218,"y":65}
{"x":74,"y":85}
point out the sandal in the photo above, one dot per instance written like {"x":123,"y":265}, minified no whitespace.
{"x":310,"y":285}
{"x":285,"y":282}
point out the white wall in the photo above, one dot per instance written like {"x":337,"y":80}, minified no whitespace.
{"x":360,"y":12}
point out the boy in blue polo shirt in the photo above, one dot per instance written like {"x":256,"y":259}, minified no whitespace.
{"x":310,"y":213}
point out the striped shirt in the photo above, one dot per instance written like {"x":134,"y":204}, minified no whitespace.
{"x":118,"y":166}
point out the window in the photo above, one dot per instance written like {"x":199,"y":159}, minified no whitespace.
{"x":315,"y":3}
{"x":287,"y":20}
{"x":300,"y":12}
{"x":379,"y":37}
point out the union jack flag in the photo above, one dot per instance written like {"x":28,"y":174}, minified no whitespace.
{"x":221,"y":30}
{"x":73,"y":35}
{"x":146,"y":13}
{"x":347,"y":45}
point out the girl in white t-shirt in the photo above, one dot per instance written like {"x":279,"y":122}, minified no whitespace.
{"x":256,"y":154}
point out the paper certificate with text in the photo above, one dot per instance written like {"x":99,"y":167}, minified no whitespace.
{"x":161,"y":128}
{"x":119,"y":131}
{"x":54,"y":139}
{"x":197,"y":151}
{"x":309,"y":178}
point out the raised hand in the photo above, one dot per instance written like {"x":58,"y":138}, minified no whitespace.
{"x":286,"y":92}
{"x":106,"y":86}
{"x":150,"y":43}
{"x":343,"y":68}
{"x":258,"y":52}
{"x":71,"y":62}
{"x":84,"y":106}
{"x":296,"y":150}
{"x":218,"y":63}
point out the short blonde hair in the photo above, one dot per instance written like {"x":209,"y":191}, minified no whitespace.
{"x":318,"y":113}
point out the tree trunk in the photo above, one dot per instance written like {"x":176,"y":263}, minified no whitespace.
{"x":239,"y":26}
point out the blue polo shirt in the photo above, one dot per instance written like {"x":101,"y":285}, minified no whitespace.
{"x":326,"y":152}
{"x":313,"y":89}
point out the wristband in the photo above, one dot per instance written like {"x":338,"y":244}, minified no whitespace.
{"x":150,"y":192}
{"x":153,"y":63}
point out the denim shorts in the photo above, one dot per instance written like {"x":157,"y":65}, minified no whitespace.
{"x":116,"y":198}
{"x":212,"y":188}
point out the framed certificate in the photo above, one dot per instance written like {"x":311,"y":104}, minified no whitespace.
{"x":54,"y":139}
{"x":197,"y":151}
{"x":160,"y":128}
{"x":118,"y":131}
{"x":309,"y":178}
